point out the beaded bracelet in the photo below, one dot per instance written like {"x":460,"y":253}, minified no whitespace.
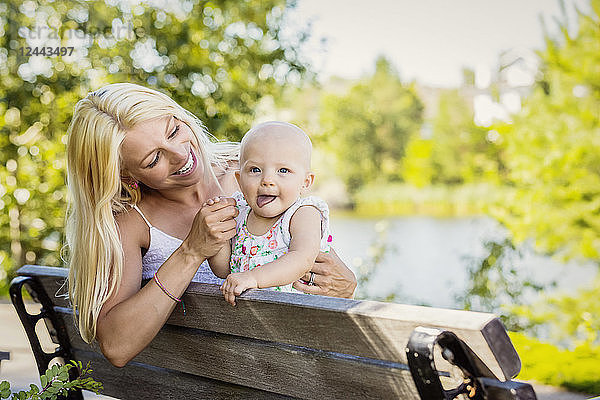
{"x":164,"y":289}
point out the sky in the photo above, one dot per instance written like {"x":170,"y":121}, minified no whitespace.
{"x":427,"y":40}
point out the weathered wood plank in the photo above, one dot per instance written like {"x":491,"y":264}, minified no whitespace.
{"x":138,"y":381}
{"x":371,"y":329}
{"x":289,"y":370}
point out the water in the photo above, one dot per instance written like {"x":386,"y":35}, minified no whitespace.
{"x":429,"y":264}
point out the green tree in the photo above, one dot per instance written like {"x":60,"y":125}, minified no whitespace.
{"x":216,"y":58}
{"x":552,"y":159}
{"x":552,"y":148}
{"x":367,"y":129}
{"x":418,"y":166}
{"x":462,"y":151}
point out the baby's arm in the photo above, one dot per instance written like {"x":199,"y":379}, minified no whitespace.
{"x":219,"y":263}
{"x":305,"y":230}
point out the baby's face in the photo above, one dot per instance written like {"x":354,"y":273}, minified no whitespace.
{"x":273,"y":172}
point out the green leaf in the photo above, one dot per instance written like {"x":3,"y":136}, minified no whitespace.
{"x":44,"y":380}
{"x":63,"y":376}
{"x":4,"y":385}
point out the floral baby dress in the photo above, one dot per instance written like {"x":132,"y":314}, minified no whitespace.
{"x":249,"y":251}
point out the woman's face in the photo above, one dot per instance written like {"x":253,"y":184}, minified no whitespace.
{"x":160,"y":153}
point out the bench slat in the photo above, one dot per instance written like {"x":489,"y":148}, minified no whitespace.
{"x":138,"y":381}
{"x":372,"y":329}
{"x":274,"y":367}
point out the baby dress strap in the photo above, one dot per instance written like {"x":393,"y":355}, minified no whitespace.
{"x":320,"y":205}
{"x":243,"y":208}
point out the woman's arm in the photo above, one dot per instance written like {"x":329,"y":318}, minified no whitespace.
{"x":332,"y":277}
{"x":305,"y":231}
{"x":132,"y":317}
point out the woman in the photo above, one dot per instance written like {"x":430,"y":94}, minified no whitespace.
{"x":139,"y":169}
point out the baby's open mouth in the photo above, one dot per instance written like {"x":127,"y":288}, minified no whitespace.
{"x":263,"y":199}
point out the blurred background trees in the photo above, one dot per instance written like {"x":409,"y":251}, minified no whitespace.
{"x":551,"y":148}
{"x":367,"y":129}
{"x":462,"y":151}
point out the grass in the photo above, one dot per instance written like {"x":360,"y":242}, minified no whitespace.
{"x":575,"y":370}
{"x":440,"y":201}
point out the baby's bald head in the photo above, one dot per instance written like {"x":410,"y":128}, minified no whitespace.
{"x":280,"y":132}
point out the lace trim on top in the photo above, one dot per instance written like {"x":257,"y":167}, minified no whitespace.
{"x":162,"y":245}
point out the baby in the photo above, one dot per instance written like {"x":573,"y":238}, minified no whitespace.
{"x":276,"y":229}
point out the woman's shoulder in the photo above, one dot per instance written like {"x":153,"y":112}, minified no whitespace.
{"x":132,"y":227}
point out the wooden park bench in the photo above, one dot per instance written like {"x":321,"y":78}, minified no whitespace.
{"x":288,"y":345}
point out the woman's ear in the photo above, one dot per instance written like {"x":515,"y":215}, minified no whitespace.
{"x":128,"y":180}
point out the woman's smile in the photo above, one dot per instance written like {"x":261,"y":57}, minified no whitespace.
{"x":189,"y":166}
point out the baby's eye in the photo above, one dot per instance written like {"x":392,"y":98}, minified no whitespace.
{"x":284,"y":170}
{"x":255,"y":170}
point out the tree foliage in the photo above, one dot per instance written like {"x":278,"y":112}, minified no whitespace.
{"x":367,"y":129}
{"x":216,"y":58}
{"x":552,"y":148}
{"x":463,"y":152}
{"x":418,"y":167}
{"x":458,"y":151}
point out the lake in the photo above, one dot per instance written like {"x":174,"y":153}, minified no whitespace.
{"x":431,"y":256}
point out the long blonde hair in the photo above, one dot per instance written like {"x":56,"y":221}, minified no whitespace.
{"x":97,"y":192}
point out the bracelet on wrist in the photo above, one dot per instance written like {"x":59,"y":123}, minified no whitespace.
{"x":167,"y":292}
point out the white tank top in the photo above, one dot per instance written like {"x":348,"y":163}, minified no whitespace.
{"x":161,"y":247}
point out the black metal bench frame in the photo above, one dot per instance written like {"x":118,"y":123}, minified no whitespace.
{"x":479,"y":383}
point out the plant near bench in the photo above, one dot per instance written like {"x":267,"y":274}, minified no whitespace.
{"x":55,"y":382}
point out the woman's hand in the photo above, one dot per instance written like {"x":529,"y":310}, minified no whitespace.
{"x":212,"y":228}
{"x":332,"y":277}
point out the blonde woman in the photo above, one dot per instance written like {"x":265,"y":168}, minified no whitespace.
{"x":139,"y":169}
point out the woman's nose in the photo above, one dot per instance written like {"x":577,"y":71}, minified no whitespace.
{"x":179,"y":154}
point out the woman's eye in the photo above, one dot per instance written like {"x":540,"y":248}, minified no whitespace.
{"x":284,"y":170}
{"x":154,"y":162}
{"x":174,"y":132}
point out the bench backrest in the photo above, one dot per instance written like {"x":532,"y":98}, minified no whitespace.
{"x":274,"y":345}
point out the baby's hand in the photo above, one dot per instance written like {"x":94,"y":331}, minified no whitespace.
{"x":236,"y":283}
